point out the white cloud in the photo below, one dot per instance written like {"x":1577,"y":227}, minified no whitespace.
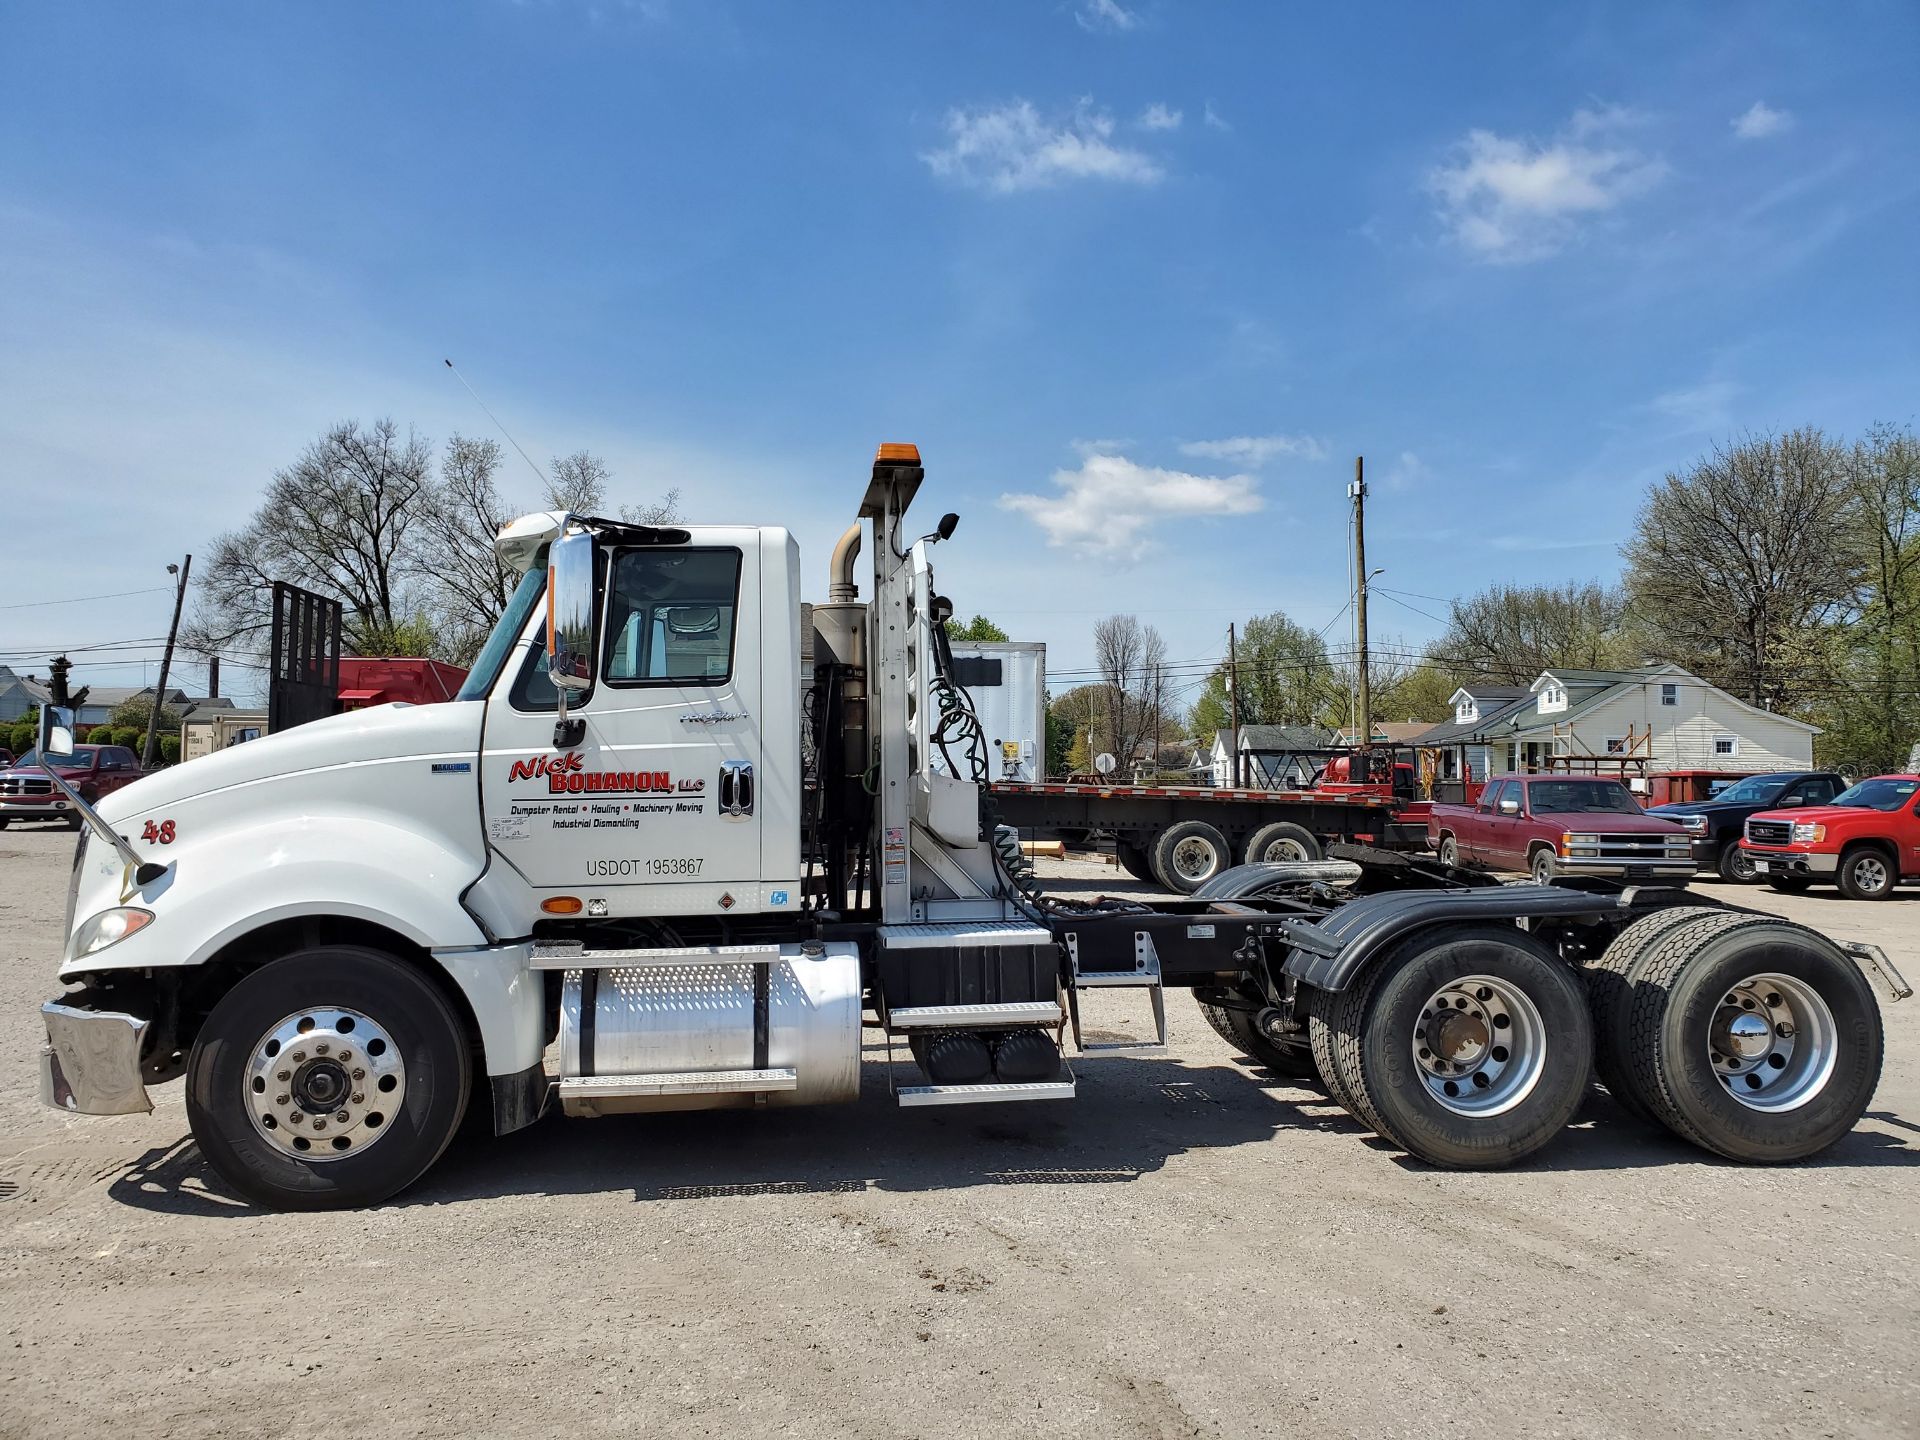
{"x":1158,"y":116}
{"x":1512,"y":200}
{"x":1255,"y":450}
{"x":1408,"y":472}
{"x":1009,"y":148}
{"x":1761,"y":122}
{"x":1214,"y":120}
{"x":1705,"y":406}
{"x":1105,"y":15}
{"x":1107,"y":506}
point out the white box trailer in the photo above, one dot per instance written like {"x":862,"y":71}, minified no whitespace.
{"x":1007,"y":682}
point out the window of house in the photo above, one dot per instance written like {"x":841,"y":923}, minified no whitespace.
{"x":1726,"y":745}
{"x":1616,"y":744}
{"x":1669,"y":693}
{"x":1466,"y":712}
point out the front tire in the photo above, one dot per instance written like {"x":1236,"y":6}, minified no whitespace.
{"x":1450,"y":852}
{"x":1469,"y":1050}
{"x":328,"y":1079}
{"x":1736,"y":865}
{"x":1544,"y":865}
{"x":1867,"y":874}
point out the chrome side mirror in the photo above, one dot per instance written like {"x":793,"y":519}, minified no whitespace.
{"x":56,"y":732}
{"x":570,"y":647}
{"x":1509,"y":807}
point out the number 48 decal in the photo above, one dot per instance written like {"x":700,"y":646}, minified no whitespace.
{"x":161,"y":833}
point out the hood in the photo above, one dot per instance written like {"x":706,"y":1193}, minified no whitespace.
{"x":1696,"y":807}
{"x":1815,"y":812}
{"x":65,"y":772}
{"x":1610,"y":822}
{"x":383,"y":732}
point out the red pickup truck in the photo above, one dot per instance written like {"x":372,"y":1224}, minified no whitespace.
{"x":1866,"y":840}
{"x":1548,"y":825}
{"x":94,"y":770}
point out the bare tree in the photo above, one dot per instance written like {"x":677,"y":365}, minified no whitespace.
{"x":1132,"y":661}
{"x":339,"y":521}
{"x":578,"y":483}
{"x":463,"y":515}
{"x":1734,"y":561}
{"x":1510,"y":633}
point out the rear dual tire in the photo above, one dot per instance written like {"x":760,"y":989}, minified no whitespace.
{"x":1241,"y":1029}
{"x":1187,"y":855}
{"x":1470,"y":1049}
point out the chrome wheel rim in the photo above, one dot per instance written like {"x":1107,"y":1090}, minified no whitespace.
{"x":1742,"y":865}
{"x":1870,"y":872}
{"x":1479,"y":1045}
{"x":1284,"y":849}
{"x":1773,"y":1042}
{"x":1194,"y":859}
{"x":323,"y":1083}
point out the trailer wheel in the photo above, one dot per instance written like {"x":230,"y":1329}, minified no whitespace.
{"x":1469,"y":1049}
{"x":1187,"y":855}
{"x":1610,"y":981}
{"x":1134,"y":860}
{"x":333,"y":1077}
{"x":1755,"y":1038}
{"x":1241,"y":1029}
{"x":1735,"y":864}
{"x":1282,"y":841}
{"x":1868,"y":873}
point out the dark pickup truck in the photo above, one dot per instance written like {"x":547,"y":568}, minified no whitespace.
{"x":1548,"y":825}
{"x":1716,"y":826}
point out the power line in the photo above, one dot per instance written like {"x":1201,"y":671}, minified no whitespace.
{"x":83,"y":599}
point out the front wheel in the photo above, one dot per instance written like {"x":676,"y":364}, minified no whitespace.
{"x":1736,"y":865}
{"x":1867,"y":874}
{"x":331,"y":1078}
{"x":1450,"y":852}
{"x":1545,"y":866}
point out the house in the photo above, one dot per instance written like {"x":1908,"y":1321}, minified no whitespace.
{"x":1387,"y":732}
{"x":1273,"y":757}
{"x":1649,"y":719}
{"x":18,"y":695}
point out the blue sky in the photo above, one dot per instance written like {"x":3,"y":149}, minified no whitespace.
{"x":1140,"y":277}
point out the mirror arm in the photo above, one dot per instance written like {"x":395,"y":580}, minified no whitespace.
{"x":92,"y":816}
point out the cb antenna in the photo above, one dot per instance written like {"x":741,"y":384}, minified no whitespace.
{"x":544,"y":478}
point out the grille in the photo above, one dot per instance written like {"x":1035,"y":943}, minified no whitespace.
{"x":1770,"y":832}
{"x":17,"y":786}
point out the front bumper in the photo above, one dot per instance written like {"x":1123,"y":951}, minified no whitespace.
{"x":1623,"y":869}
{"x":90,"y":1064}
{"x":1791,"y":862}
{"x":31,"y":805}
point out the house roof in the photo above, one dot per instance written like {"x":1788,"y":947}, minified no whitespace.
{"x":1588,"y":677}
{"x":1502,"y":693}
{"x":1454,"y":732}
{"x":1277,"y":737}
{"x":1393,"y":732}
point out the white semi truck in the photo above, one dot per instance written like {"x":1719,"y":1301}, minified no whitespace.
{"x":680,"y":837}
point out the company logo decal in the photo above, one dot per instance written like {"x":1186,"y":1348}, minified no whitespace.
{"x":451,"y":767}
{"x":567,"y":775}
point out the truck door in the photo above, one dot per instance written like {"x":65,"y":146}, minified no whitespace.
{"x":657,"y":809}
{"x":1483,"y":838}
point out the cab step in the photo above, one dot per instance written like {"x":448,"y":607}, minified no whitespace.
{"x":1145,"y":975}
{"x":1002,"y":1016}
{"x":985,"y":1094}
{"x":571,"y":955}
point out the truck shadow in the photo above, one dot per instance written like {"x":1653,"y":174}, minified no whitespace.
{"x":1132,"y":1117}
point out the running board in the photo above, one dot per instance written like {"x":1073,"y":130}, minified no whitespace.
{"x":1145,"y":975}
{"x":678,"y":1082}
{"x":571,"y":955}
{"x":985,"y":1094}
{"x":976,"y":1017}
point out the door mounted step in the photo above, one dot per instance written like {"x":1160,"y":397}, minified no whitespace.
{"x":985,"y":1094}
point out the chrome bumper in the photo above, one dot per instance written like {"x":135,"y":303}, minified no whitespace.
{"x":90,"y":1064}
{"x":1787,"y":862}
{"x":1609,"y":866}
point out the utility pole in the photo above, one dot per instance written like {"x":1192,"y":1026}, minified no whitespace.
{"x":1364,"y":720}
{"x":1233,"y":705}
{"x":166,"y":660}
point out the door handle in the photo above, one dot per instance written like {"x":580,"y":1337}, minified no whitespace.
{"x":736,"y":789}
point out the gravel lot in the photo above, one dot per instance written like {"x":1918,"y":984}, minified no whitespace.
{"x":1191,"y":1248}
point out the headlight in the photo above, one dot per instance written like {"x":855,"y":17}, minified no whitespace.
{"x":1697,"y":824}
{"x":109,"y":927}
{"x":1808,"y":832}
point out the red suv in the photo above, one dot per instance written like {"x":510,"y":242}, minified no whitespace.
{"x":1867,"y":840}
{"x":94,"y":770}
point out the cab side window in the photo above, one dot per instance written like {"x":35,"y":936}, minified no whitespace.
{"x":1490,"y":797}
{"x":671,"y":615}
{"x":1817,"y":791}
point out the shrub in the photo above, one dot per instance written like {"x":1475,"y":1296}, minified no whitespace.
{"x":170,"y":749}
{"x":131,"y":737}
{"x":20,"y":738}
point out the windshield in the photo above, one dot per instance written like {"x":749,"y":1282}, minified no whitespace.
{"x":1572,"y":797}
{"x":81,"y":759}
{"x":1760,"y":790}
{"x":513,"y":620}
{"x":1877,"y":794}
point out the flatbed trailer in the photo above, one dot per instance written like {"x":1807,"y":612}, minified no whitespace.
{"x":686,"y":835}
{"x":1182,"y":836}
